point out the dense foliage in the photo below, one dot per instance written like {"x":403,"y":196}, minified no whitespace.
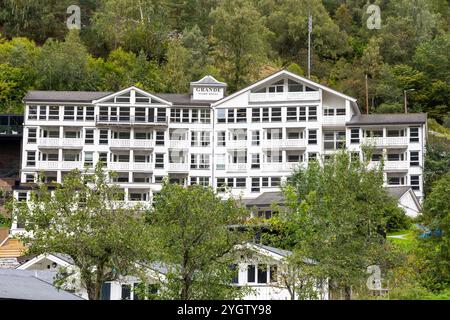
{"x":162,"y":45}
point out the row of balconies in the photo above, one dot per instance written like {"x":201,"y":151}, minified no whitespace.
{"x":272,"y":144}
{"x":284,"y":96}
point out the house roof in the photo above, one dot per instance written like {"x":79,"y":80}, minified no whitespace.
{"x":208,"y":80}
{"x":397,"y":192}
{"x":69,"y":96}
{"x":31,"y":285}
{"x":388,"y":118}
{"x":280,"y":252}
{"x":266,"y":198}
{"x":184,"y":99}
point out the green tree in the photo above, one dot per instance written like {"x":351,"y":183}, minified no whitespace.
{"x":335,"y":214}
{"x":191,"y":235}
{"x":435,"y":250}
{"x":241,"y":41}
{"x":85,"y":220}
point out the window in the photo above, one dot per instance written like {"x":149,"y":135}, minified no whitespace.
{"x":89,"y":113}
{"x":328,"y":112}
{"x":220,"y":161}
{"x":265,"y":114}
{"x":251,"y":273}
{"x":50,"y":156}
{"x":88,"y":159}
{"x":205,"y":116}
{"x":395,"y":157}
{"x":200,"y":161}
{"x":255,"y":138}
{"x":291,"y":114}
{"x":221,"y":185}
{"x":256,"y":185}
{"x":274,"y":134}
{"x":334,"y":140}
{"x":31,"y":158}
{"x":185,"y":115}
{"x":221,"y":139}
{"x":32,"y":135}
{"x":221,"y":115}
{"x":142,"y":158}
{"x":276,"y":87}
{"x":140,"y":98}
{"x":295,"y":135}
{"x":395,"y":180}
{"x":125,"y":98}
{"x":395,"y":133}
{"x":143,"y":135}
{"x":302,"y":114}
{"x":32,"y":112}
{"x":121,"y":135}
{"x":354,"y":135}
{"x":103,"y":137}
{"x":312,"y":156}
{"x":294,"y":157}
{"x":69,"y":156}
{"x":29,"y":178}
{"x":231,"y":116}
{"x":255,"y":161}
{"x":262,"y":273}
{"x":72,"y":134}
{"x":312,"y":113}
{"x":103,"y":158}
{"x":203,"y":181}
{"x":275,"y":181}
{"x":80,"y":113}
{"x":276,"y":115}
{"x":159,"y":138}
{"x":414,"y":134}
{"x":294,"y":86}
{"x":273,"y":273}
{"x":69,"y":113}
{"x":43,"y":113}
{"x":312,"y":136}
{"x":415,"y":182}
{"x":159,"y":160}
{"x":22,"y":196}
{"x":53,"y":113}
{"x":50,"y":133}
{"x":234,"y":268}
{"x":160,"y":115}
{"x":373,"y":133}
{"x":241,"y":115}
{"x":126,"y":288}
{"x":89,"y":136}
{"x":414,"y":158}
{"x":376,"y":157}
{"x":340,"y":112}
{"x":273,"y":156}
{"x":205,"y":138}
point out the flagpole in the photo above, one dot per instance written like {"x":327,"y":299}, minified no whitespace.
{"x":309,"y":44}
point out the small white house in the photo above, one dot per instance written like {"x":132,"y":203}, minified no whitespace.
{"x":406,"y":199}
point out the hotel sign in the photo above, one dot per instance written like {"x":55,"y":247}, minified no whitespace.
{"x":208,"y":93}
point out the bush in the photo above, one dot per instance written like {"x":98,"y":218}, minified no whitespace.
{"x":397,"y":220}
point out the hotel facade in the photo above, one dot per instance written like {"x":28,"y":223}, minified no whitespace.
{"x":244,"y":144}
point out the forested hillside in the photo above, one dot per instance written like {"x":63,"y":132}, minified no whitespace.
{"x":161,"y":45}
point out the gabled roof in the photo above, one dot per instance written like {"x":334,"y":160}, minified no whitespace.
{"x":209,"y":81}
{"x":145,"y":93}
{"x":31,"y":285}
{"x":398,"y":191}
{"x":388,"y":118}
{"x":59,"y":258}
{"x":266,"y":198}
{"x":290,"y":74}
{"x":66,"y":96}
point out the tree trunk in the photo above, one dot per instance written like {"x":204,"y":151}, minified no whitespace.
{"x":347,"y":292}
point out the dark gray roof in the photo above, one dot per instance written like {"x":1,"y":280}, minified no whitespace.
{"x":64,"y":96}
{"x":184,"y":99}
{"x":266,"y":198}
{"x":397,"y":192}
{"x":31,"y":285}
{"x":388,"y":118}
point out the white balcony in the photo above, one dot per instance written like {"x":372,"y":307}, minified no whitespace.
{"x":334,"y":120}
{"x":273,"y":166}
{"x":179,"y":144}
{"x":284,"y":96}
{"x":237,"y":167}
{"x":386,"y":141}
{"x":178,"y":167}
{"x":119,"y":166}
{"x":71,"y":165}
{"x":295,"y":143}
{"x":390,"y":165}
{"x":291,"y":166}
{"x":72,"y":142}
{"x":47,"y":165}
{"x":143,"y":166}
{"x":234,"y":144}
{"x":120,"y":143}
{"x":140,"y":143}
{"x":49,"y":142}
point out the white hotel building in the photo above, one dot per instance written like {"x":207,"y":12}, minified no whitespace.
{"x":249,"y":141}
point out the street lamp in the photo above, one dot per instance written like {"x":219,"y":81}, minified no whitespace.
{"x":406,"y":102}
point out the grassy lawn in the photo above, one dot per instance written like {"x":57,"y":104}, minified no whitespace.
{"x":407,"y":240}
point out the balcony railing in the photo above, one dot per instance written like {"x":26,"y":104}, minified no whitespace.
{"x":11,"y":130}
{"x":145,"y":166}
{"x":60,"y":142}
{"x":49,"y":142}
{"x":386,"y":141}
{"x":237,"y":167}
{"x":130,"y":120}
{"x":283,"y":143}
{"x":131,"y":143}
{"x":390,"y":165}
{"x":179,"y":144}
{"x":236,"y":143}
{"x":178,"y":167}
{"x":284,"y":96}
{"x":295,"y":143}
{"x":59,"y":165}
{"x":72,"y":142}
{"x":334,"y":120}
{"x":119,"y":166}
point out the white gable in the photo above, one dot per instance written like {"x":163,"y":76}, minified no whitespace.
{"x":132,"y":96}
